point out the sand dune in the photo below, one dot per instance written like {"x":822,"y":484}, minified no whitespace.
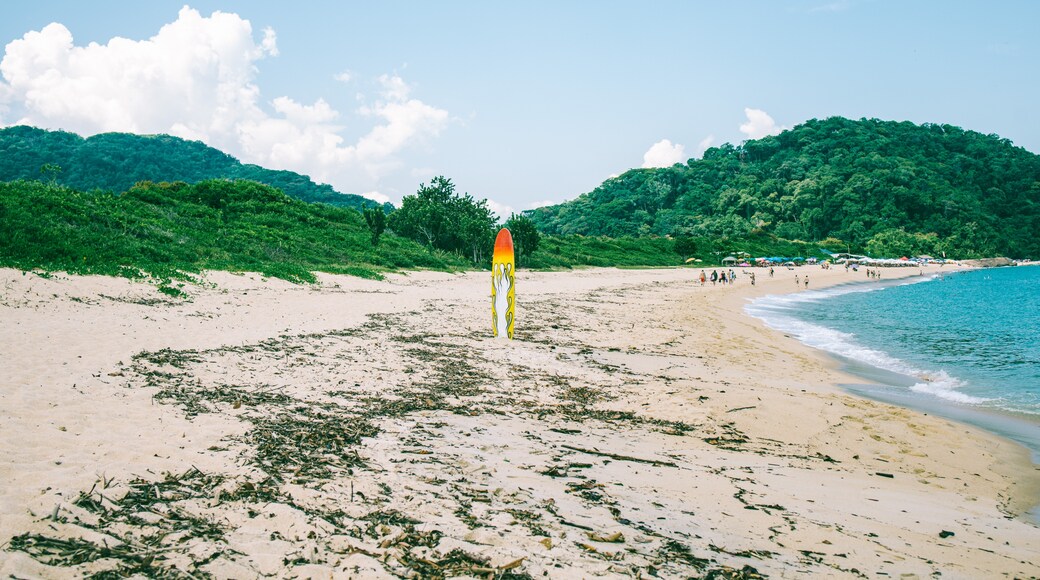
{"x":639,"y":424}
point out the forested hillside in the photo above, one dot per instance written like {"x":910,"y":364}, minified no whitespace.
{"x":880,"y":186}
{"x":162,"y":229}
{"x":116,"y":161}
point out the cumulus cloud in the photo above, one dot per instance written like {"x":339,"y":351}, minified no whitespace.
{"x":501,"y":210}
{"x":196,"y":79}
{"x":376,"y":196}
{"x":759,"y":124}
{"x":704,"y":144}
{"x":664,"y":154}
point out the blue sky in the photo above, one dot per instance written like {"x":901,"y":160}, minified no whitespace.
{"x":521,"y":103}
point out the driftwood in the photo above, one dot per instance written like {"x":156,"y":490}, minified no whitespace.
{"x":620,"y":457}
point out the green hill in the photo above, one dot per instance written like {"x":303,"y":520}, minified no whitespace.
{"x":116,"y":161}
{"x":166,"y":229}
{"x":869,"y":185}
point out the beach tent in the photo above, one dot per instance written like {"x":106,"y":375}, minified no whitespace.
{"x":729,"y":261}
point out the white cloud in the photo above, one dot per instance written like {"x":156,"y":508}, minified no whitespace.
{"x":376,"y":196}
{"x":501,"y":210}
{"x":543,"y":203}
{"x":664,"y":154}
{"x":269,"y":44}
{"x":196,"y":78}
{"x":705,"y":144}
{"x":759,"y":124}
{"x":344,"y":77}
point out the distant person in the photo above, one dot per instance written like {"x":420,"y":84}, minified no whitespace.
{"x":770,"y":271}
{"x":732,"y":276}
{"x":703,"y":278}
{"x":722,"y":278}
{"x":714,"y":277}
{"x":796,"y":282}
{"x":806,"y":280}
{"x":752,"y":274}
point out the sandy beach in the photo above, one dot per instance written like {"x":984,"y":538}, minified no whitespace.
{"x":640,"y":424}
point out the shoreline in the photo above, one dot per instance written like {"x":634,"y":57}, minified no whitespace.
{"x":875,"y":383}
{"x":638,"y":422}
{"x":878,"y":379}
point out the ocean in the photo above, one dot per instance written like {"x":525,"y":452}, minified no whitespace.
{"x":964,"y":345}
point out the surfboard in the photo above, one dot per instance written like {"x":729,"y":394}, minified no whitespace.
{"x":503,"y":286}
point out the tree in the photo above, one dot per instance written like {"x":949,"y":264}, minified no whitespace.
{"x":376,"y":220}
{"x":472,"y":228}
{"x":525,"y":235}
{"x":891,"y":244}
{"x":51,"y":171}
{"x":685,"y":246}
{"x":439,"y":218}
{"x":423,"y":217}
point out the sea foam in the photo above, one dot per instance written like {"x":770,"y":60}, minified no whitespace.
{"x":778,"y":312}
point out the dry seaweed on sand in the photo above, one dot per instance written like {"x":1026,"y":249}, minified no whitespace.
{"x":298,"y":454}
{"x":139,"y":530}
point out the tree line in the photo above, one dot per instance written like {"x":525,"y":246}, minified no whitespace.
{"x":439,"y":217}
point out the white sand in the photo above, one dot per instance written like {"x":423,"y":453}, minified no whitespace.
{"x":634,"y":406}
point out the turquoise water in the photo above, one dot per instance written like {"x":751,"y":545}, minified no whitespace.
{"x":965,"y":344}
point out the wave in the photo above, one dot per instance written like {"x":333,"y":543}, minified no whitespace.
{"x":776,"y":311}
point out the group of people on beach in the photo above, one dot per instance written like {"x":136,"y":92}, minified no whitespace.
{"x":730,"y":277}
{"x":717,"y":277}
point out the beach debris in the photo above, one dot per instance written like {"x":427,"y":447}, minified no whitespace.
{"x":882,"y":474}
{"x":609,"y":538}
{"x":945,"y":534}
{"x":598,"y":552}
{"x":618,"y":457}
{"x":305,"y":475}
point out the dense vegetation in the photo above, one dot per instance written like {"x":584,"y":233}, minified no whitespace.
{"x":170,"y":230}
{"x":440,"y":218}
{"x":116,"y":161}
{"x":162,"y":228}
{"x":887,"y":188}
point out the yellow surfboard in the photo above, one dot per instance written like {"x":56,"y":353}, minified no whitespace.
{"x":503,"y":286}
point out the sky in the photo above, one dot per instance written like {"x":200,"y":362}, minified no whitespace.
{"x":520,"y":103}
